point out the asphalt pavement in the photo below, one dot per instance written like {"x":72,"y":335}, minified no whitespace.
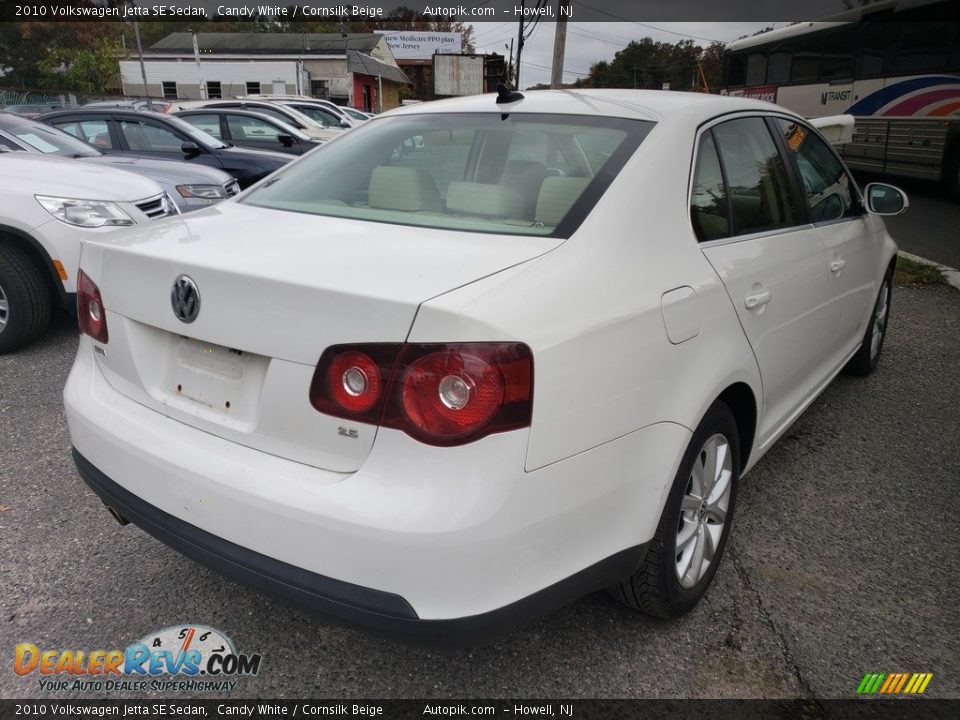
{"x":843,"y":561}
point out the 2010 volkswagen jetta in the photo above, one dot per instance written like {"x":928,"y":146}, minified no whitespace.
{"x":479,"y":357}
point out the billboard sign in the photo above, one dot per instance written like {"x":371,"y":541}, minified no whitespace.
{"x":420,"y":45}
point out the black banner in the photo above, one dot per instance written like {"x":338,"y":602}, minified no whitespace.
{"x":513,"y":709}
{"x":470,"y":11}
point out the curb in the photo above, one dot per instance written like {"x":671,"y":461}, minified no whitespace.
{"x":951,"y":275}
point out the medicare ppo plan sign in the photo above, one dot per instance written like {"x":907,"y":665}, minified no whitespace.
{"x":417,"y":45}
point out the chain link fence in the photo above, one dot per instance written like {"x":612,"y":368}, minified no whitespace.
{"x":46,"y":100}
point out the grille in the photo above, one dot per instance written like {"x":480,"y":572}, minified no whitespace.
{"x":156,"y":207}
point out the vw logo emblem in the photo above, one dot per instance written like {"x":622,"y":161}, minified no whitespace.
{"x":185,"y":299}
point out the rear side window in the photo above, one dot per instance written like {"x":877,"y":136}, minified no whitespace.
{"x":756,"y":178}
{"x":94,"y":132}
{"x":826,"y":184}
{"x":520,"y":173}
{"x":709,"y":209}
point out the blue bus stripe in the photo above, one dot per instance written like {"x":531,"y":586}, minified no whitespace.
{"x":874,"y":101}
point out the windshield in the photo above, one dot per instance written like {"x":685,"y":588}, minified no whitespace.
{"x":527,"y":174}
{"x":355,"y":114}
{"x":48,"y":140}
{"x":196,"y":134}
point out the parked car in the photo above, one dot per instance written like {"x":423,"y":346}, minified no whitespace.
{"x":162,"y":137}
{"x":47,"y":206}
{"x":320,"y":114}
{"x":504,"y":352}
{"x":131,"y":104}
{"x":189,"y":186}
{"x":249,"y":129}
{"x":284,"y":114}
{"x":323,"y":111}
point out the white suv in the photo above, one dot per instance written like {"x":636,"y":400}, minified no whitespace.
{"x":47,"y":206}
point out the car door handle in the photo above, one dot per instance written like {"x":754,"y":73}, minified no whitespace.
{"x":758,"y":299}
{"x":837,"y":265}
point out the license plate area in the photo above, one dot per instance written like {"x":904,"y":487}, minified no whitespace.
{"x":214,"y":382}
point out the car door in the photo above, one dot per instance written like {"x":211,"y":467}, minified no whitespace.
{"x":96,"y":131}
{"x":258,"y":133}
{"x":146,"y":137}
{"x":836,"y":211}
{"x":753,"y":229}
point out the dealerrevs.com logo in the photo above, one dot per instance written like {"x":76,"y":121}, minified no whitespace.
{"x":185,"y":658}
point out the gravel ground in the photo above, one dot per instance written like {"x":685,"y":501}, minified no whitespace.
{"x":843,"y":560}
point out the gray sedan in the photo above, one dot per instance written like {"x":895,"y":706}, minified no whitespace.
{"x":190,"y":186}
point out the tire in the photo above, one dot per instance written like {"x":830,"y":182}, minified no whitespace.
{"x":868,"y":355}
{"x":24,"y":300}
{"x":658,"y":588}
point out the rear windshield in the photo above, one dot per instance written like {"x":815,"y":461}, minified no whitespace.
{"x":49,"y":140}
{"x":526,"y":174}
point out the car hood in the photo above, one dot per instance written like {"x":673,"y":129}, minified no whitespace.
{"x":263,"y":155}
{"x":63,"y":177}
{"x":163,"y":171}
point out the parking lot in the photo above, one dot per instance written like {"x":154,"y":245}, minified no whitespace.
{"x":843,"y":559}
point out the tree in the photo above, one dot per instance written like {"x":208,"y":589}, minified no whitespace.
{"x":92,"y":70}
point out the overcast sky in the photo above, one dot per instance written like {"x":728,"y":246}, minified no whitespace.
{"x":589,"y":42}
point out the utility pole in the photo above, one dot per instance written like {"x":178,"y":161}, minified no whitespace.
{"x":346,"y":64}
{"x":559,"y":44}
{"x":519,"y":49}
{"x":196,"y":58}
{"x":143,"y":68}
{"x":510,"y":68}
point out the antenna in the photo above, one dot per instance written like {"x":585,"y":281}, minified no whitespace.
{"x":506,"y":95}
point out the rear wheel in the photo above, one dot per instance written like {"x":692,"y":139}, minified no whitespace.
{"x":867,"y":357}
{"x":24,"y":300}
{"x":685,"y":551}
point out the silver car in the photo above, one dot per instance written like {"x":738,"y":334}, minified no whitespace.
{"x":189,"y":186}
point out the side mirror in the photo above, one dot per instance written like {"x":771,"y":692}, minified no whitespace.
{"x":883,"y":199}
{"x":285,"y":140}
{"x":190,"y":148}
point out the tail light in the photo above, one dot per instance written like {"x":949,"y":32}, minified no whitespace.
{"x":91,"y":315}
{"x":440,"y":394}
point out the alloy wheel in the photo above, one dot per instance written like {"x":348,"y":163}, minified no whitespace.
{"x":703,"y":511}
{"x":880,"y":320}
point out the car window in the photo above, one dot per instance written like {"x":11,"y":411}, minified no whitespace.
{"x":518,"y":173}
{"x":827,"y":185}
{"x":709,"y":209}
{"x":208,"y":123}
{"x":243,"y":127}
{"x":95,"y":132}
{"x":756,"y":177}
{"x":324,"y":117}
{"x":145,"y":136}
{"x":275,"y":114}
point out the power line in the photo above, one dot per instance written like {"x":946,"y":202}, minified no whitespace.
{"x":650,"y":27}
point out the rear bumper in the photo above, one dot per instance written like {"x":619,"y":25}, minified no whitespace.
{"x":383,"y":613}
{"x":418,"y":543}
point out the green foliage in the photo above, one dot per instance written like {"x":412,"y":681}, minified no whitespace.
{"x":92,"y":70}
{"x":645,"y":63}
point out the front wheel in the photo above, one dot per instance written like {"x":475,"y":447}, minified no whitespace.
{"x":685,"y":551}
{"x":867,"y":356}
{"x":24,"y":300}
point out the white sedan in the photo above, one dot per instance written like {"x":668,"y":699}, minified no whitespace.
{"x":480,"y":357}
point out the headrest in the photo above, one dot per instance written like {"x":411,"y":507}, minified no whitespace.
{"x":557,"y":196}
{"x":481,"y":199}
{"x":403,"y":188}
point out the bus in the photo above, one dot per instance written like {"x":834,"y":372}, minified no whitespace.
{"x":894,"y":65}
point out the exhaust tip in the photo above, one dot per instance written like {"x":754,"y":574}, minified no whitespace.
{"x":116,"y":516}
